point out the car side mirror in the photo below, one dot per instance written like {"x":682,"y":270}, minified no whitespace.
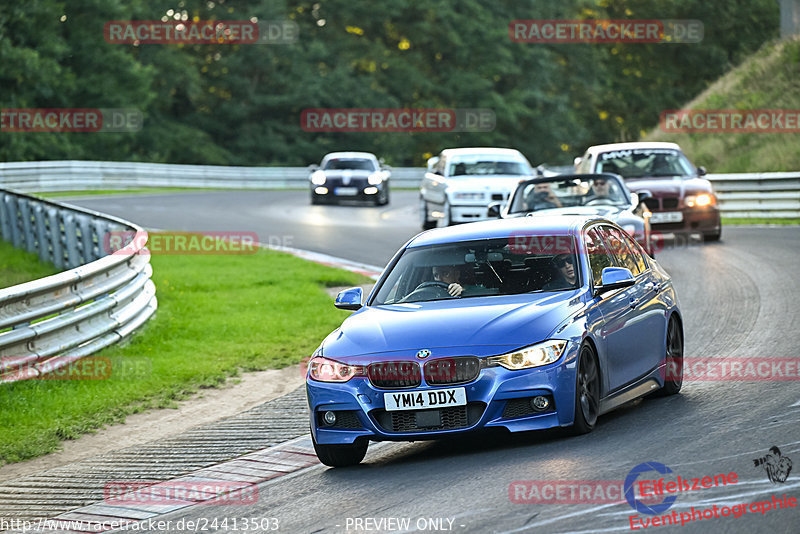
{"x":494,"y":209}
{"x":313,"y":167}
{"x":614,"y":278}
{"x":643,"y":195}
{"x":349,"y":299}
{"x":577,"y":161}
{"x":701,"y":171}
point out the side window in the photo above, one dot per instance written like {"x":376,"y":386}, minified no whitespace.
{"x":637,"y":251}
{"x":599,"y":258}
{"x":616,"y":244}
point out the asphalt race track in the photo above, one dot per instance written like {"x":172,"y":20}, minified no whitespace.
{"x":739,"y":300}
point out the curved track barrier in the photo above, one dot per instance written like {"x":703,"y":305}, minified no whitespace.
{"x":50,"y":323}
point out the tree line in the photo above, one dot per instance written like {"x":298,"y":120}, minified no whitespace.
{"x":241,"y":104}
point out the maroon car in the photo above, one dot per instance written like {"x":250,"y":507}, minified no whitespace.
{"x":681,"y":200}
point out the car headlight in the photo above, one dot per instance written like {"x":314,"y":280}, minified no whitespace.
{"x":375,"y":179}
{"x":325,"y":370}
{"x":700,"y":201}
{"x":467,"y":196}
{"x":318,"y":178}
{"x":537,"y":355}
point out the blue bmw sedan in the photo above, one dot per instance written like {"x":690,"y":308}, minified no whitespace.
{"x":519,"y":324}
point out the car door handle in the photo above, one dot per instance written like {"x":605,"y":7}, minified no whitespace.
{"x":634,"y":302}
{"x":656,"y":287}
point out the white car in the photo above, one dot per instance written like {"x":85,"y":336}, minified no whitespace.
{"x":462,"y":182}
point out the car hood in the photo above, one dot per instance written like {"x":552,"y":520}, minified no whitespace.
{"x":670,"y":186}
{"x":485,"y":183}
{"x":509,"y":321}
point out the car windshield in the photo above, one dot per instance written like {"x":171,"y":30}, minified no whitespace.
{"x":486,"y":267}
{"x":487,"y":167}
{"x":600,"y":191}
{"x":645,"y":162}
{"x":353,"y":164}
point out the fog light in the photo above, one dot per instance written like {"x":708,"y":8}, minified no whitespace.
{"x":370,"y":190}
{"x":330,"y":418}
{"x":538,"y":403}
{"x":321,"y":190}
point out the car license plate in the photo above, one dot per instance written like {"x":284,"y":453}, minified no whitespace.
{"x":666,"y":217}
{"x":345,"y":191}
{"x":420,"y":400}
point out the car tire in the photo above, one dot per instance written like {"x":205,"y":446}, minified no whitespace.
{"x":673,"y":373}
{"x":715,"y":236}
{"x":383,"y":197}
{"x":340,"y":455}
{"x":445,"y":221}
{"x":427,"y":224}
{"x":587,"y":392}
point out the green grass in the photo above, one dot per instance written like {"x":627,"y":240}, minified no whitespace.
{"x":18,"y":266}
{"x":761,"y":220}
{"x":769,"y":79}
{"x":217,"y":316}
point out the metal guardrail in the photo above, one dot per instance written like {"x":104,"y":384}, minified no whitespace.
{"x":35,"y":176}
{"x":763,"y":194}
{"x":50,"y":323}
{"x":769,"y":194}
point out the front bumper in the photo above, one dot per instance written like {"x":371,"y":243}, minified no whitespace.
{"x":465,"y":214}
{"x":333,"y":191}
{"x":497,"y":399}
{"x":702,"y":220}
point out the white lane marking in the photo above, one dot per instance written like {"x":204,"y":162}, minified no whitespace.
{"x":561,"y":518}
{"x":758,"y":452}
{"x":372,"y":271}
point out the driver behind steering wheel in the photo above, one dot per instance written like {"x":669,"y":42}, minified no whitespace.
{"x":450,"y":275}
{"x":601,"y":190}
